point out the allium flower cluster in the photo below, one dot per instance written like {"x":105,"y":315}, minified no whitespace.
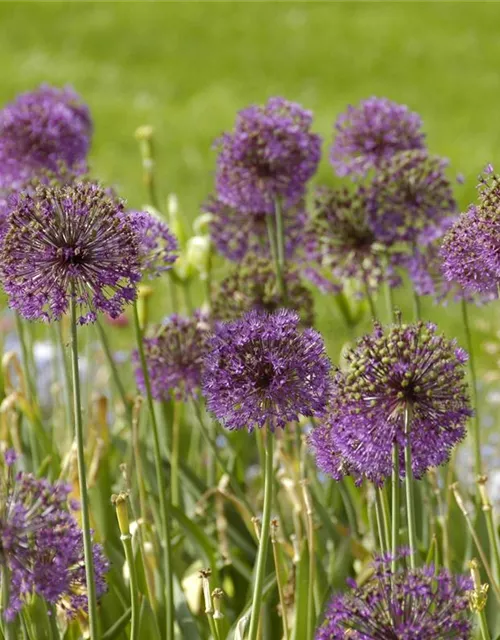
{"x":262,"y":370}
{"x":157,"y":245}
{"x":44,"y":131}
{"x":407,"y":368}
{"x":42,"y":545}
{"x":270,"y":154}
{"x":372,"y":132}
{"x":175,"y":357}
{"x":417,"y":604}
{"x":253,"y":285}
{"x":410,"y":198}
{"x":342,"y":247}
{"x":471,"y":249}
{"x":236,"y":234}
{"x":72,"y":241}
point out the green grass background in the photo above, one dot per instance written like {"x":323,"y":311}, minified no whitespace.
{"x":187,"y":68}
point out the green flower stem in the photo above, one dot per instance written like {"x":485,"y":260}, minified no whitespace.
{"x":6,"y":626}
{"x":410,"y":499}
{"x":371,"y":304}
{"x":279,"y":579}
{"x":213,"y":446}
{"x":490,"y":525}
{"x":66,"y":375}
{"x":274,"y":243}
{"x":121,"y":506}
{"x":417,"y":307}
{"x":163,"y":491}
{"x":174,"y":460}
{"x":30,"y":391}
{"x":478,"y":465}
{"x":389,"y":298}
{"x":380,"y":526}
{"x":264,"y":539}
{"x":82,"y":479}
{"x":114,"y":370}
{"x":396,"y":505}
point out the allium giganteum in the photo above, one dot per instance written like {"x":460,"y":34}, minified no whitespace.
{"x":471,"y":249}
{"x":264,"y":370}
{"x":270,"y":154}
{"x":41,"y":544}
{"x":403,"y":368}
{"x":69,"y":242}
{"x":42,"y":132}
{"x":175,"y":356}
{"x":372,"y":132}
{"x":157,"y":245}
{"x":422,"y":604}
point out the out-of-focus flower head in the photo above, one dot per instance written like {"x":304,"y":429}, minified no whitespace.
{"x":372,"y":132}
{"x":157,"y":245}
{"x":270,"y":154}
{"x":43,"y":132}
{"x":253,"y":285}
{"x":175,"y":357}
{"x":236,"y":234}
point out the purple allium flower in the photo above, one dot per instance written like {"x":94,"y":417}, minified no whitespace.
{"x":262,"y":370}
{"x":175,"y":357}
{"x":372,"y":132}
{"x":42,"y":545}
{"x":417,"y":604}
{"x":342,"y":247}
{"x":471,"y":249}
{"x":61,"y":239}
{"x":236,"y":234}
{"x":406,"y":366}
{"x":253,"y":285}
{"x":410,"y":197}
{"x":270,"y":154}
{"x":43,"y":131}
{"x":157,"y":245}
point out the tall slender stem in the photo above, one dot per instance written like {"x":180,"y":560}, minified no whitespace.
{"x":82,"y":479}
{"x":478,"y":465}
{"x":417,"y":307}
{"x":380,"y":526}
{"x":30,"y":390}
{"x":114,"y":370}
{"x":264,"y":539}
{"x":369,"y":298}
{"x":396,"y":500}
{"x":6,"y":626}
{"x":271,"y":232}
{"x":163,"y":491}
{"x":66,"y":375}
{"x":410,"y":501}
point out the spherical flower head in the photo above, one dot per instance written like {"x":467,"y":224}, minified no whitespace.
{"x":372,"y":132}
{"x":43,"y":131}
{"x":410,"y":197}
{"x":42,"y":545}
{"x":71,"y":241}
{"x":253,"y":285}
{"x":342,"y":249}
{"x":157,"y":245}
{"x":270,"y":154}
{"x":406,"y":371}
{"x":471,"y":249}
{"x":263,"y":370}
{"x":175,"y":357}
{"x":236,"y":234}
{"x":416,"y":604}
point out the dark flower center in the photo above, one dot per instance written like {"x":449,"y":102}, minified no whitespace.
{"x":265,"y":376}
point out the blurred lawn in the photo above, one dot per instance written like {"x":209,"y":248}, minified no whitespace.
{"x":187,"y":68}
